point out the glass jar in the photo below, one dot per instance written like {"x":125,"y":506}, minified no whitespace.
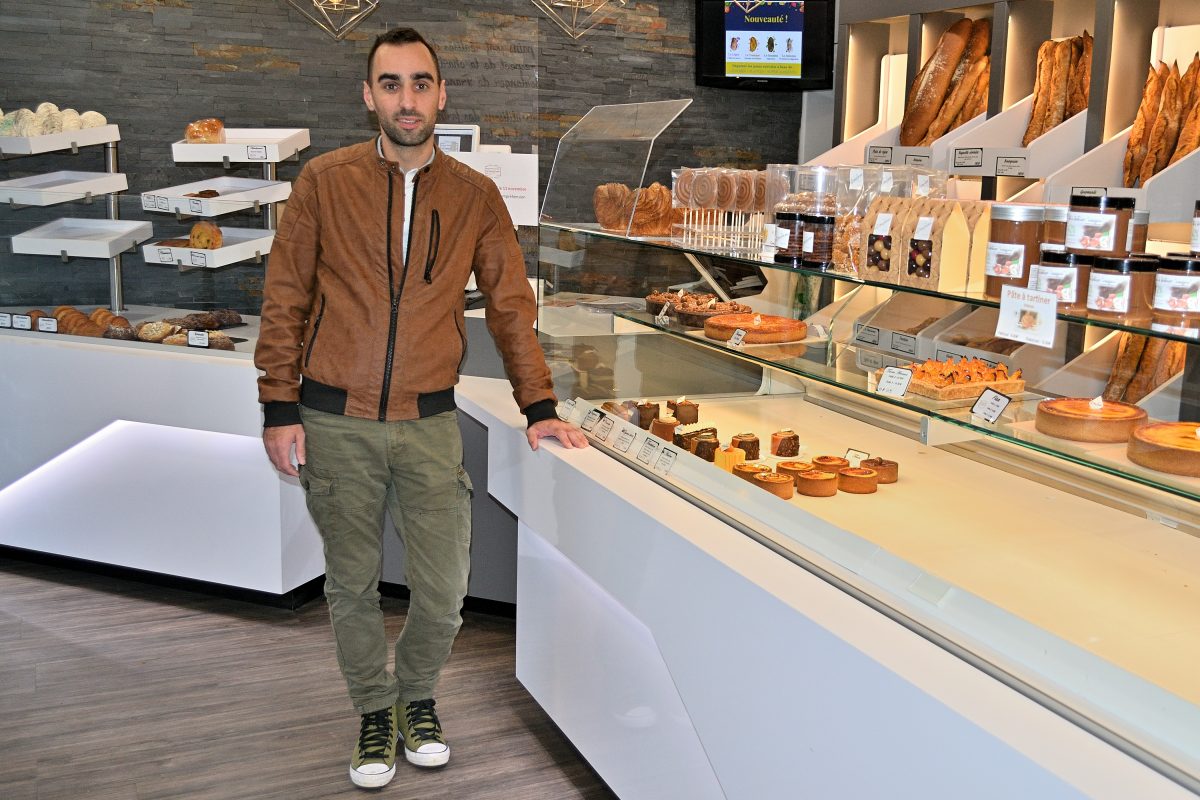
{"x":1121,"y":290}
{"x":1054,"y":227}
{"x":793,"y":223}
{"x":1176,"y":304}
{"x":1014,"y":242}
{"x":1099,"y":226}
{"x":1066,"y":275}
{"x":1139,"y":229}
{"x":816,"y":249}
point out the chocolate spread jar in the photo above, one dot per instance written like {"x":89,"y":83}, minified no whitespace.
{"x":1176,"y":305}
{"x":1099,"y":226}
{"x":1054,"y":227}
{"x":1066,"y":275}
{"x":1014,"y":242}
{"x":793,"y":223}
{"x":1121,"y":290}
{"x":816,"y":249}
{"x":1139,"y":229}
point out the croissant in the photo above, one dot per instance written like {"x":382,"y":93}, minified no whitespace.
{"x":608,"y":201}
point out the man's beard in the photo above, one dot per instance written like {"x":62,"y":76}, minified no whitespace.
{"x":403,"y":138}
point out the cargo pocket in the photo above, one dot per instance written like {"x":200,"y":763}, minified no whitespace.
{"x":315,"y":484}
{"x":464,"y":482}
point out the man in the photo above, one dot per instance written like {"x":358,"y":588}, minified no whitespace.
{"x":362,"y":338}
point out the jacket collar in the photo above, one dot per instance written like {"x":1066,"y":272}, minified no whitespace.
{"x":435,"y":160}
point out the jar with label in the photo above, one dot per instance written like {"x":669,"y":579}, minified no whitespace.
{"x":1177,"y":295}
{"x":816,"y":249}
{"x":1099,"y":226}
{"x":1196,"y":231}
{"x":791,"y":222}
{"x":1054,"y":227}
{"x":1013,"y":244}
{"x":1066,"y":275}
{"x":1121,"y":290}
{"x":1139,"y":229}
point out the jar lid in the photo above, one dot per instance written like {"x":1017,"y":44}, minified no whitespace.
{"x":1104,"y":203}
{"x":1010,"y":212}
{"x":817,"y":219}
{"x":1141,"y":218}
{"x":1062,"y":257}
{"x":1132,"y":263}
{"x":1182,"y":262}
{"x":790,"y":216}
{"x":1057,"y":213}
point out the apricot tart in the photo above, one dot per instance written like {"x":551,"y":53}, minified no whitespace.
{"x":759,"y":328}
{"x":1084,"y":420}
{"x":817,"y":483}
{"x":1172,"y":447}
{"x":775,"y":483}
{"x":858,"y":480}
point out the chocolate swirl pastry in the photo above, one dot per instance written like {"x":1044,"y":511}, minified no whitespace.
{"x":726,"y":189}
{"x":683,"y":187}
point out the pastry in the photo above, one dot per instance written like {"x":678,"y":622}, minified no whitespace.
{"x":155,"y":331}
{"x":779,"y":485}
{"x":888,"y":471}
{"x":205,"y":131}
{"x":1129,"y":353}
{"x":695,"y":317}
{"x":706,"y":447}
{"x":747,"y":443}
{"x":92,"y":119}
{"x":684,"y":410}
{"x":119,"y":332}
{"x":176,"y":340}
{"x":1172,"y":447}
{"x":793,"y":468}
{"x":664,"y":428}
{"x":785,"y":443}
{"x":205,"y":236}
{"x":858,"y":480}
{"x":729,"y":457}
{"x":219,"y":341}
{"x":817,"y":483}
{"x":1084,"y":420}
{"x":747,"y":470}
{"x":647,"y":412}
{"x":203,"y":321}
{"x":961,"y":379}
{"x":206,"y":193}
{"x":231,"y":319}
{"x":930,"y":88}
{"x":831,"y":463}
{"x":174,"y":243}
{"x":759,"y":328}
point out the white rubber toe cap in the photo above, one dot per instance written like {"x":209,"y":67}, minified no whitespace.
{"x":431,"y":754}
{"x":372,"y":776}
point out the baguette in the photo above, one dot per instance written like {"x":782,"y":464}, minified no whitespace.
{"x":1189,"y":131}
{"x":1187,"y":84}
{"x":1163,"y":136}
{"x":930,"y":92}
{"x":1143,"y":379}
{"x":977,"y":100}
{"x":1080,"y":85}
{"x":1056,"y":107}
{"x":1041,"y":92}
{"x":956,"y":101}
{"x":1129,"y":353}
{"x":1147,"y":112}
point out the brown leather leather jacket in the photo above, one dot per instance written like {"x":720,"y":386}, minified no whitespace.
{"x":372,"y":333}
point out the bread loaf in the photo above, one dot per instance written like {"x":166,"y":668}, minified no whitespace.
{"x":934,"y":83}
{"x":1143,"y":378}
{"x":1041,"y":92}
{"x":205,"y":131}
{"x":1189,"y":130}
{"x":1080,"y":83}
{"x":962,"y":84}
{"x":205,"y":236}
{"x":1129,"y":353}
{"x":1163,"y":135}
{"x":1147,"y":112}
{"x":1056,"y":106}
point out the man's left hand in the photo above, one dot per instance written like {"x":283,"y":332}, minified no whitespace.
{"x":567,"y":434}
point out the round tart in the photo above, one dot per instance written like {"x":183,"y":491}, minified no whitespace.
{"x":1084,"y":420}
{"x":748,"y":471}
{"x":1172,"y":447}
{"x":858,"y":480}
{"x":775,"y":483}
{"x":831,"y":463}
{"x":889,"y":471}
{"x":759,"y":328}
{"x":792,"y":468}
{"x":817,"y":483}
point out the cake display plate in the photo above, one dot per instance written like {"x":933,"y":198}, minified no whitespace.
{"x":60,"y":187}
{"x":240,"y":244}
{"x":235,"y":194}
{"x":83,"y":238}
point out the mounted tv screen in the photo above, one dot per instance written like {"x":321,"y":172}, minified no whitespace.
{"x":765,"y":45}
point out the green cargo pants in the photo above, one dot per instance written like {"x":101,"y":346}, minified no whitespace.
{"x":354,"y":469}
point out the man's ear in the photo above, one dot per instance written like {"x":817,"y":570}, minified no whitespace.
{"x":367,"y":96}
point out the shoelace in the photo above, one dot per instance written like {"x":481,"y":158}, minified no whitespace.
{"x":375,"y":736}
{"x":423,"y":721}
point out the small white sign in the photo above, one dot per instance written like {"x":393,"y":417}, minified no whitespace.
{"x":738,"y":337}
{"x":5,"y":320}
{"x":197,"y":338}
{"x":809,"y":241}
{"x":990,"y":405}
{"x":663,"y":318}
{"x":879,"y":155}
{"x":665,"y":461}
{"x":1012,"y":166}
{"x":47,"y":324}
{"x":516,"y":175}
{"x":649,"y":448}
{"x":568,"y":408}
{"x":1027,"y":315}
{"x":149,"y":202}
{"x":195,"y":205}
{"x":624,"y":440}
{"x":886,"y":181}
{"x":198,"y":258}
{"x":165,"y":255}
{"x":894,"y":382}
{"x":856,"y":457}
{"x":856,"y":179}
{"x":163,"y":204}
{"x":256,"y":152}
{"x":22,"y":322}
{"x":783,"y":237}
{"x":968,"y":157}
{"x":604,"y":429}
{"x":591,"y":419}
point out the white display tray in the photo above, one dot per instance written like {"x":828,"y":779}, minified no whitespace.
{"x":994,"y":147}
{"x":67,"y":140}
{"x":60,"y":187}
{"x":246,"y":145}
{"x":83,"y":238}
{"x":240,"y":244}
{"x":236,"y":194}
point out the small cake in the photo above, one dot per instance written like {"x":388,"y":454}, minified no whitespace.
{"x":779,"y":485}
{"x":785,"y":443}
{"x":1083,"y":420}
{"x":1172,"y":447}
{"x":729,"y":457}
{"x":889,"y":471}
{"x":792,"y":468}
{"x":706,"y":448}
{"x":759,"y":328}
{"x":858,"y":480}
{"x":687,"y":439}
{"x":664,"y":428}
{"x":205,"y":236}
{"x":205,"y":131}
{"x":748,"y":442}
{"x":747,"y":471}
{"x":817,"y":483}
{"x":830,"y":463}
{"x":687,"y":412}
{"x":646,"y":413}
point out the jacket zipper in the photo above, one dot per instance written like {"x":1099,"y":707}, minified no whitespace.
{"x":394,"y":292}
{"x":316,"y":327}
{"x":462,"y":335}
{"x":435,"y":239}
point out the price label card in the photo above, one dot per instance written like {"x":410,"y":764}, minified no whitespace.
{"x":256,"y":152}
{"x":856,"y":179}
{"x":886,"y":181}
{"x":867,"y":335}
{"x":1027,"y":315}
{"x":589,"y":422}
{"x":818,"y":331}
{"x":568,"y":408}
{"x":666,"y":460}
{"x":22,"y":322}
{"x":1012,"y":166}
{"x":5,"y":320}
{"x":164,"y":255}
{"x":783,"y":237}
{"x":738,"y":336}
{"x":649,"y":448}
{"x":198,"y":259}
{"x":920,"y":161}
{"x":197,"y":338}
{"x":879,"y":155}
{"x":47,"y":325}
{"x":856,"y":457}
{"x":195,"y":205}
{"x":604,"y":429}
{"x":990,"y":405}
{"x":149,"y":202}
{"x":894,"y":382}
{"x":624,"y":441}
{"x":968,"y":157}
{"x":663,"y":317}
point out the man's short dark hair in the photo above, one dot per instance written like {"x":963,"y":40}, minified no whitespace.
{"x":403,"y":36}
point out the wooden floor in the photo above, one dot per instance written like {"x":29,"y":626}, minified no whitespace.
{"x":113,"y":690}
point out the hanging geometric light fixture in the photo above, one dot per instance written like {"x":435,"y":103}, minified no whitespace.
{"x":575,"y":17}
{"x":336,"y":17}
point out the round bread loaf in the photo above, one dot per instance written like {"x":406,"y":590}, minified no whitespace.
{"x":205,"y":131}
{"x":205,"y":236}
